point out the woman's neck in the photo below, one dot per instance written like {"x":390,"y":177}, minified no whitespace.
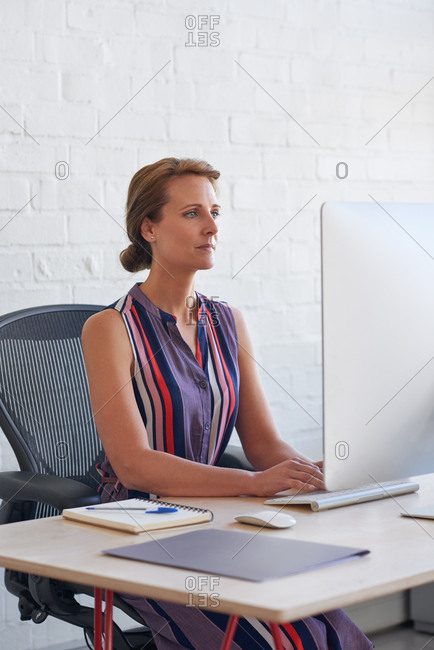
{"x":176,"y":297}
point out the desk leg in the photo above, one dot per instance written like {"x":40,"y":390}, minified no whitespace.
{"x":108,"y":620}
{"x":230,"y":632}
{"x":97,"y":623}
{"x":232,"y":626}
{"x":275,"y":631}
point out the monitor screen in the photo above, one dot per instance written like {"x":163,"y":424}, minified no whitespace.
{"x":378,"y":341}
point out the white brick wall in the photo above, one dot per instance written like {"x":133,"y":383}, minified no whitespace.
{"x":339,"y":69}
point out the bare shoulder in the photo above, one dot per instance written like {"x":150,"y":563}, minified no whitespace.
{"x":105,"y":329}
{"x":236,"y":312}
{"x":104,"y":321}
{"x":242,"y":329}
{"x":238,"y":316}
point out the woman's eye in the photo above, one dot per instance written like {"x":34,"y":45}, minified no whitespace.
{"x":194,"y":213}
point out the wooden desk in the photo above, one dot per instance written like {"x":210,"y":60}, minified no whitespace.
{"x":402,"y":556}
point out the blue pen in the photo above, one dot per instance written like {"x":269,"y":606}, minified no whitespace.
{"x":162,"y":509}
{"x":157,"y":511}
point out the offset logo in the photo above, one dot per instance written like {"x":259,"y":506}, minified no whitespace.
{"x":205,"y":586}
{"x":191,"y":303}
{"x":201,"y":31}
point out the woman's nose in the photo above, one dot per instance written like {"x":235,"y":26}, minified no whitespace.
{"x":212,"y":225}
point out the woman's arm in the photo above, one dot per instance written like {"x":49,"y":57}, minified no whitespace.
{"x":259,"y":437}
{"x":110,"y":365}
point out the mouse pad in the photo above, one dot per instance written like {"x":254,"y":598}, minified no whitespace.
{"x":237,"y":555}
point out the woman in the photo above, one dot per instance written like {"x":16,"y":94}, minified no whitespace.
{"x":171,"y":373}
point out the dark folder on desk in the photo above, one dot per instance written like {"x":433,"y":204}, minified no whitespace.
{"x":237,"y":555}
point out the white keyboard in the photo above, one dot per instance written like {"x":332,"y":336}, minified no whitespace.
{"x":323,"y":500}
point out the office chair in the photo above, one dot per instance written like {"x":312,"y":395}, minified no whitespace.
{"x":46,"y":415}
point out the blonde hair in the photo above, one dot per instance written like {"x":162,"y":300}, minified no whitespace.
{"x":147,"y":194}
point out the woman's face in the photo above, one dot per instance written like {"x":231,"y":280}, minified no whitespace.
{"x":186,"y":236}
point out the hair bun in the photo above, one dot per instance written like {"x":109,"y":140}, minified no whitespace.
{"x":136,"y":257}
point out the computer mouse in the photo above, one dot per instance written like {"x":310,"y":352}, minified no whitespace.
{"x":268,"y":518}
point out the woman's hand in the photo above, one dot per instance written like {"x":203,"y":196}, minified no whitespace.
{"x":297,"y":473}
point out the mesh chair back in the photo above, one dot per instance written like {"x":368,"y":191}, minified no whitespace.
{"x":45,"y":408}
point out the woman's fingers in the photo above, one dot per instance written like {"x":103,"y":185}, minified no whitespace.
{"x":306,"y":471}
{"x":308,"y":481}
{"x":295,"y":473}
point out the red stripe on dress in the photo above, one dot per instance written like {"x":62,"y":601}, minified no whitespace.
{"x":199,"y":354}
{"x":223,"y":363}
{"x":154,"y":416}
{"x":228,"y":378}
{"x":198,"y":350}
{"x":293,"y":635}
{"x":163,"y":388}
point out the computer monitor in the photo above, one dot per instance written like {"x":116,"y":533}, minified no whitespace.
{"x":378,"y":341}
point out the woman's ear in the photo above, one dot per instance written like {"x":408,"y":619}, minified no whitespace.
{"x":147,"y":230}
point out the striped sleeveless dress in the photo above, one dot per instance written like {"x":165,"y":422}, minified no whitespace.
{"x":189,"y":404}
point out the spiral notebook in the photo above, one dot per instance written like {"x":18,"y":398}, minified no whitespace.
{"x":132,"y":516}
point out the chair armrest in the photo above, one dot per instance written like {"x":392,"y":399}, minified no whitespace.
{"x":53,"y":490}
{"x":235,"y":458}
